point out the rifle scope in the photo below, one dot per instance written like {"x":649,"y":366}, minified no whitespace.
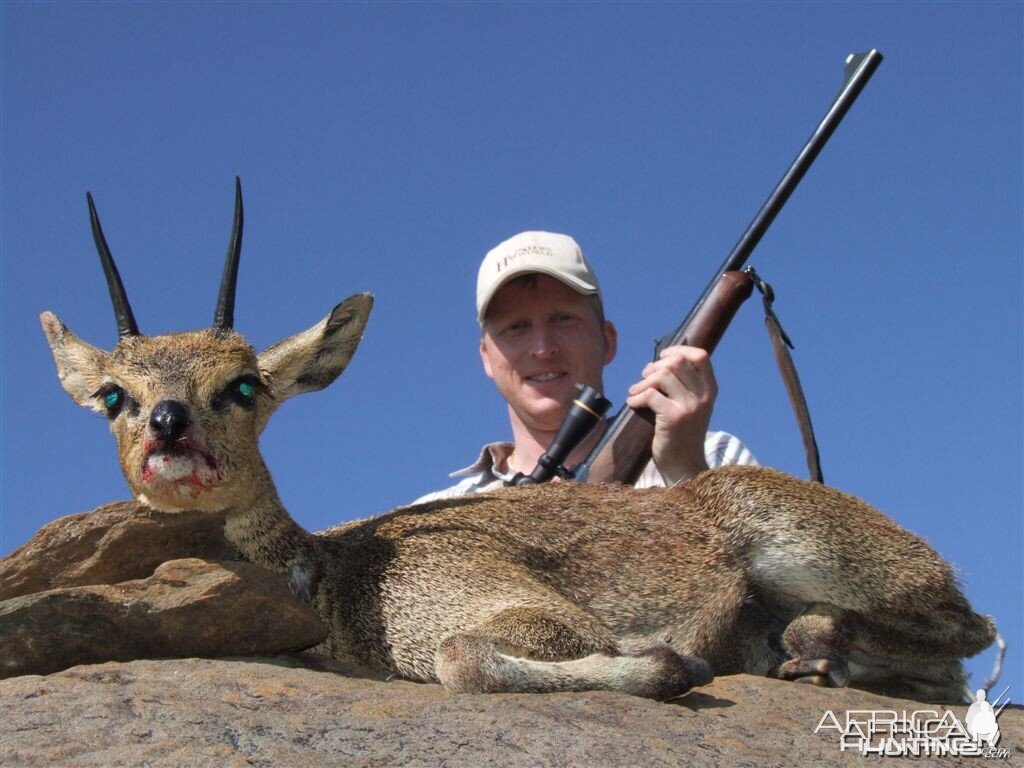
{"x":586,"y":410}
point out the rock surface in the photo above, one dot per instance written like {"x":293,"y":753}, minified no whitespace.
{"x":279,"y":712}
{"x":116,"y":542}
{"x":126,"y":582}
{"x":187,"y":607}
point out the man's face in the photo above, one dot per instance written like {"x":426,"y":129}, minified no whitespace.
{"x":540,"y":339}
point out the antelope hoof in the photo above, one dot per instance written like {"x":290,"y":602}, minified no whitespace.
{"x":678,"y":673}
{"x":825,"y":673}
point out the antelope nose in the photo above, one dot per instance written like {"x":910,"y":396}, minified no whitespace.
{"x":169,"y":420}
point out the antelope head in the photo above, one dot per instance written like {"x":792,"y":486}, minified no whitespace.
{"x":187,"y":408}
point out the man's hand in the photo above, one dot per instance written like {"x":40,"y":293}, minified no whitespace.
{"x":680,"y":388}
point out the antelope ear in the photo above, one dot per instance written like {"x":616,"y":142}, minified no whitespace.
{"x":311,"y":360}
{"x":79,"y":365}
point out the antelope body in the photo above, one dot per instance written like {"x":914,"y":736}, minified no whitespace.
{"x":547,"y":588}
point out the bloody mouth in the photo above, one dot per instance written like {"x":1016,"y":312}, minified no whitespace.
{"x":180,"y":466}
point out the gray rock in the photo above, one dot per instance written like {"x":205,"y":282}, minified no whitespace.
{"x":187,"y":607}
{"x":281,"y":712}
{"x":116,"y":542}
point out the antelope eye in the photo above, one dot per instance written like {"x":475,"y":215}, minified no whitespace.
{"x":242,"y":391}
{"x":113,"y":400}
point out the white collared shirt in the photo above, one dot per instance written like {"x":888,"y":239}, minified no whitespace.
{"x":720,"y":449}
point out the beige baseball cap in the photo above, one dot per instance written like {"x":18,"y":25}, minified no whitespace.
{"x":546,"y":252}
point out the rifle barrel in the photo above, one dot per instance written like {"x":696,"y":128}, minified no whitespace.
{"x":859,"y":69}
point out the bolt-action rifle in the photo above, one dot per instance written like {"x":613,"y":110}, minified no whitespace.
{"x":625,"y":447}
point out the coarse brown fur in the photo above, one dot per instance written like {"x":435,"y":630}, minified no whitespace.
{"x":547,"y":588}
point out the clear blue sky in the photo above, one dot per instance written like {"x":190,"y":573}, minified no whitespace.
{"x":386,"y":147}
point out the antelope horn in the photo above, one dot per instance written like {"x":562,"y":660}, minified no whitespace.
{"x":126,"y":325}
{"x":224,"y":317}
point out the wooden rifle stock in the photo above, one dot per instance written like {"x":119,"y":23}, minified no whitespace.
{"x":625,"y":448}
